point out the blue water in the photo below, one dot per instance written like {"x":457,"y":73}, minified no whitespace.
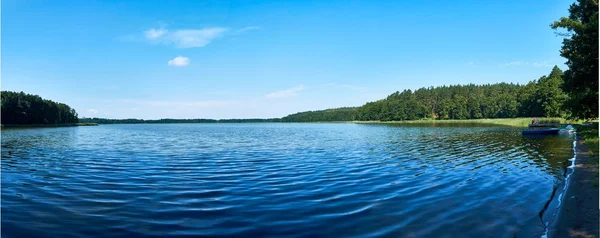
{"x":274,"y":180}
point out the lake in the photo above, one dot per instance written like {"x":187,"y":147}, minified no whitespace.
{"x":278,"y":179}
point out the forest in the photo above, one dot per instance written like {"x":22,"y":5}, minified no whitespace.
{"x":337,"y":114}
{"x":22,"y":109}
{"x":539,"y":98}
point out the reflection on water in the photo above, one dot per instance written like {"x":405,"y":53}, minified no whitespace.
{"x":327,"y":180}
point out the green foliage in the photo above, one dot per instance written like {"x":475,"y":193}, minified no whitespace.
{"x":21,"y":109}
{"x":338,"y":114}
{"x":550,"y":97}
{"x":590,"y":138}
{"x":541,"y":98}
{"x":580,"y":48}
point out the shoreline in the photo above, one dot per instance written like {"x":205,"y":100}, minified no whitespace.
{"x":512,"y":122}
{"x":47,"y":125}
{"x":578,"y":215}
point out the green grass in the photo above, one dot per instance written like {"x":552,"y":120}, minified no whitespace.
{"x":514,"y":122}
{"x":590,"y":138}
{"x":86,"y":124}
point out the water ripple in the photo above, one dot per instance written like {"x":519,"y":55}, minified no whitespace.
{"x":273,"y":180}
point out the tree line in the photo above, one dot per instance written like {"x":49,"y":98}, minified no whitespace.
{"x":168,"y":120}
{"x":570,"y":94}
{"x":337,"y":114}
{"x":20,"y":108}
{"x":539,"y":98}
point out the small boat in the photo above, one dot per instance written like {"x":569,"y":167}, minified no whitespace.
{"x":540,"y":131}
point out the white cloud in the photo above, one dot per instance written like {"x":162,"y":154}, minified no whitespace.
{"x":185,"y":38}
{"x":286,"y":93}
{"x":245,"y":29}
{"x":155,"y":33}
{"x":195,"y":38}
{"x":93,"y":111}
{"x":179,"y":61}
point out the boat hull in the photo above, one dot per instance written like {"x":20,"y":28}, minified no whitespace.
{"x":540,"y":131}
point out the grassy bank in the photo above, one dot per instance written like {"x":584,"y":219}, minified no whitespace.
{"x":49,"y":125}
{"x":516,"y":122}
{"x":590,"y":137}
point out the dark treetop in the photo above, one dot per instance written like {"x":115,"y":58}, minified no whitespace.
{"x":580,"y":48}
{"x":21,"y":109}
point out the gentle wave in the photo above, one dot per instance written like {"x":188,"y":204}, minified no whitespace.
{"x":276,"y":180}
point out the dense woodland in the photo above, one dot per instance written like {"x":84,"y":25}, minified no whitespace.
{"x":338,"y":114}
{"x":539,"y":98}
{"x":21,"y":108}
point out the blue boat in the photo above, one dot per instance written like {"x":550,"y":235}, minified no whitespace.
{"x":540,"y":131}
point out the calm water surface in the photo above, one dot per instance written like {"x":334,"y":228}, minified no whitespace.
{"x":301,"y":180}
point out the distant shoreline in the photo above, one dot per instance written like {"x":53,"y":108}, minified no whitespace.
{"x":48,"y":125}
{"x":512,"y":122}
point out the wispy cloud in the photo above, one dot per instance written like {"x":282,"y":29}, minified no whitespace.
{"x":179,"y":61}
{"x":195,"y":38}
{"x":154,"y":33}
{"x":470,"y":63}
{"x":93,"y":111}
{"x":286,"y":93}
{"x":245,"y":29}
{"x":185,"y":38}
{"x":544,"y":64}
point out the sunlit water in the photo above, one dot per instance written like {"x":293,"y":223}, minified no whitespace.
{"x":300,"y":180}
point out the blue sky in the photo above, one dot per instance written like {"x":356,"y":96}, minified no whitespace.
{"x":259,"y":59}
